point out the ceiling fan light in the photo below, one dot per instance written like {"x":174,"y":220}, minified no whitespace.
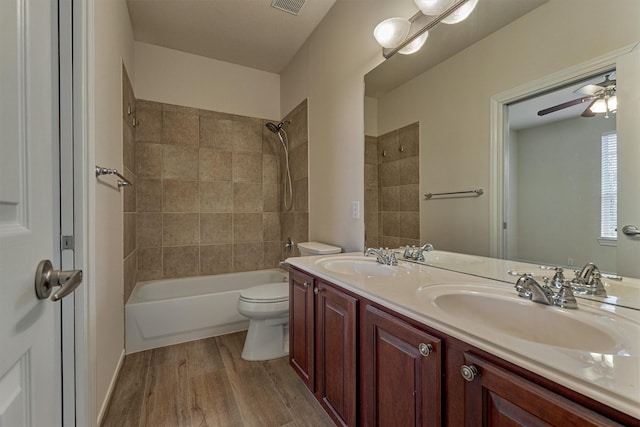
{"x":461,"y":13}
{"x":415,"y":45}
{"x":612,"y":103}
{"x":433,"y":7}
{"x":600,"y":106}
{"x":391,"y":32}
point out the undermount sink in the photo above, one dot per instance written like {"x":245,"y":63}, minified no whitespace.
{"x":361,"y":265}
{"x":482,"y":310}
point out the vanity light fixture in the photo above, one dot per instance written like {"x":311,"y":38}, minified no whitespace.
{"x":408,"y":35}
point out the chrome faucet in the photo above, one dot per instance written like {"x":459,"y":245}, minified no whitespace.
{"x":587,"y":281}
{"x":384,"y":256}
{"x":528,"y":288}
{"x":417,"y":254}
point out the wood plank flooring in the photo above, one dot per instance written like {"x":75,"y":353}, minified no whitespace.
{"x":207,"y":383}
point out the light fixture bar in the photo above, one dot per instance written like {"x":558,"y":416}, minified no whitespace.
{"x":416,"y":20}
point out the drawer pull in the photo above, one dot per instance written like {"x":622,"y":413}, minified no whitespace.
{"x":317,"y":291}
{"x":306,"y":284}
{"x":469,"y":373}
{"x":425,"y":349}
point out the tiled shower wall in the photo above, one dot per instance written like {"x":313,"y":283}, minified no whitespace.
{"x":208,"y":192}
{"x":398,"y":195}
{"x":129,"y":193}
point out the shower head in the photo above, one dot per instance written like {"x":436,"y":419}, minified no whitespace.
{"x":276,"y":128}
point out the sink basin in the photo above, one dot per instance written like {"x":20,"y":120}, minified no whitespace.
{"x":484,"y":310}
{"x":361,"y":265}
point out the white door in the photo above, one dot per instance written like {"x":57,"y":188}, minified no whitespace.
{"x":29,"y":362}
{"x":628,"y":125}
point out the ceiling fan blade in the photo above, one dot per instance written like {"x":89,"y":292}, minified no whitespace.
{"x":587,"y":111}
{"x":564,"y":105}
{"x":589,"y":89}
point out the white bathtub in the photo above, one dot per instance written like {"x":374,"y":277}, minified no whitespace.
{"x":165,"y":312}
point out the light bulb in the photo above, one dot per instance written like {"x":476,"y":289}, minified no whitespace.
{"x":391,"y":32}
{"x":461,"y":13}
{"x":599,"y":106}
{"x":415,"y":45}
{"x":612,"y":103}
{"x":433,"y":7}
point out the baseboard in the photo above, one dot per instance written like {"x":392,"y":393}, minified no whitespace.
{"x":112,"y":385}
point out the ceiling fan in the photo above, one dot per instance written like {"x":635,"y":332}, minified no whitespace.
{"x":602,"y":97}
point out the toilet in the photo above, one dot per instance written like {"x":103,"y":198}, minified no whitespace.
{"x":267,"y":307}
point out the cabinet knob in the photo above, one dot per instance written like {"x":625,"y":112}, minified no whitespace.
{"x":469,"y":373}
{"x":425,"y":349}
{"x":317,"y":291}
{"x":306,"y":284}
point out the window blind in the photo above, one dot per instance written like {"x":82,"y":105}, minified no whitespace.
{"x":609,"y":186}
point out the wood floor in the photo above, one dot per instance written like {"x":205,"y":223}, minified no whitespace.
{"x":206,"y":383}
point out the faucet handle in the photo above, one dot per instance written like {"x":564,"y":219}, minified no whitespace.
{"x":565,"y":298}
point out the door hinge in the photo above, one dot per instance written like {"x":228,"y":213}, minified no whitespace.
{"x":66,"y":242}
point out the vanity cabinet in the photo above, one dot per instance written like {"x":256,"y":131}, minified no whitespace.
{"x":497,"y":397}
{"x":322,"y":343}
{"x":401,"y":372}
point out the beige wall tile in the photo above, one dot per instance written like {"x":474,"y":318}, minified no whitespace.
{"x":247,"y":167}
{"x":128,"y":100}
{"x":301,"y":227}
{"x":180,"y":229}
{"x":298,"y":128}
{"x":247,"y":135}
{"x":391,"y":242}
{"x":149,"y":229}
{"x":216,"y":228}
{"x":216,"y":197}
{"x":409,"y":137}
{"x":410,"y":197}
{"x":171,"y":108}
{"x":149,"y":195}
{"x":288,"y":226}
{"x":215,"y":165}
{"x":272,"y":254}
{"x":270,"y":169}
{"x":390,"y":224}
{"x":301,"y":195}
{"x":247,"y":197}
{"x":409,"y":170}
{"x":299,"y":162}
{"x":180,"y":162}
{"x":129,"y":192}
{"x":388,"y":144}
{"x":409,"y":225}
{"x":149,"y":160}
{"x":371,"y":200}
{"x":180,"y":261}
{"x":128,"y":145}
{"x":390,"y":198}
{"x":149,"y":264}
{"x":180,"y":196}
{"x":389,"y":174}
{"x":130,"y":267}
{"x":149,"y":117}
{"x":371,"y":224}
{"x":371,"y":150}
{"x":247,"y":256}
{"x":216,"y":259}
{"x":247,"y":227}
{"x":271,"y":226}
{"x":216,"y":132}
{"x":270,"y":196}
{"x":129,"y":233}
{"x":271,"y":144}
{"x":371,"y":176}
{"x":409,"y":242}
{"x":179,"y":128}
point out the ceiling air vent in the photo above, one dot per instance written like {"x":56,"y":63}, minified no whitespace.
{"x":290,"y":6}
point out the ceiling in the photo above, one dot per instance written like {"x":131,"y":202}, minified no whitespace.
{"x":243,"y":32}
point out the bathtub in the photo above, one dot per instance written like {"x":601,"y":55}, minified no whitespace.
{"x":171,"y":311}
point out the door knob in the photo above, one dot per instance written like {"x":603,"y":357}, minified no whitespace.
{"x":631,"y":230}
{"x":47,"y":278}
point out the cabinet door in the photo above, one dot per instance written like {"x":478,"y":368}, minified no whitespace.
{"x":401,"y":383}
{"x":301,"y":326}
{"x":497,"y":397}
{"x":336,"y":320}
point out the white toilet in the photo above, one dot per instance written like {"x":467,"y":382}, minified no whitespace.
{"x":267,"y":307}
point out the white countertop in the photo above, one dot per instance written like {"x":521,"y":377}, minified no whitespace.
{"x":613,"y":379}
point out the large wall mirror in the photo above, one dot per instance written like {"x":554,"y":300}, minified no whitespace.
{"x":471,"y":97}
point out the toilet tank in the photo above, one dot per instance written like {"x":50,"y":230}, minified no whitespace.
{"x":316,"y":248}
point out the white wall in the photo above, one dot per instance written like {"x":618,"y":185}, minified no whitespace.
{"x":558,"y":186}
{"x":174,"y":77}
{"x":552,"y":37}
{"x":370,"y":116}
{"x":329,"y":70}
{"x":112,"y":43}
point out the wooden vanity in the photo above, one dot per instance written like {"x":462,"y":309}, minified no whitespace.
{"x":368,"y":364}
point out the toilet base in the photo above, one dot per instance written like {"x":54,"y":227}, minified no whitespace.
{"x":267,"y":339}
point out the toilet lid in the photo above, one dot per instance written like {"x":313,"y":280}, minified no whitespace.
{"x":271,"y":292}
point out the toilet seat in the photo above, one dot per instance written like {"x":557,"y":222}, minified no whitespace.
{"x":268,"y":293}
